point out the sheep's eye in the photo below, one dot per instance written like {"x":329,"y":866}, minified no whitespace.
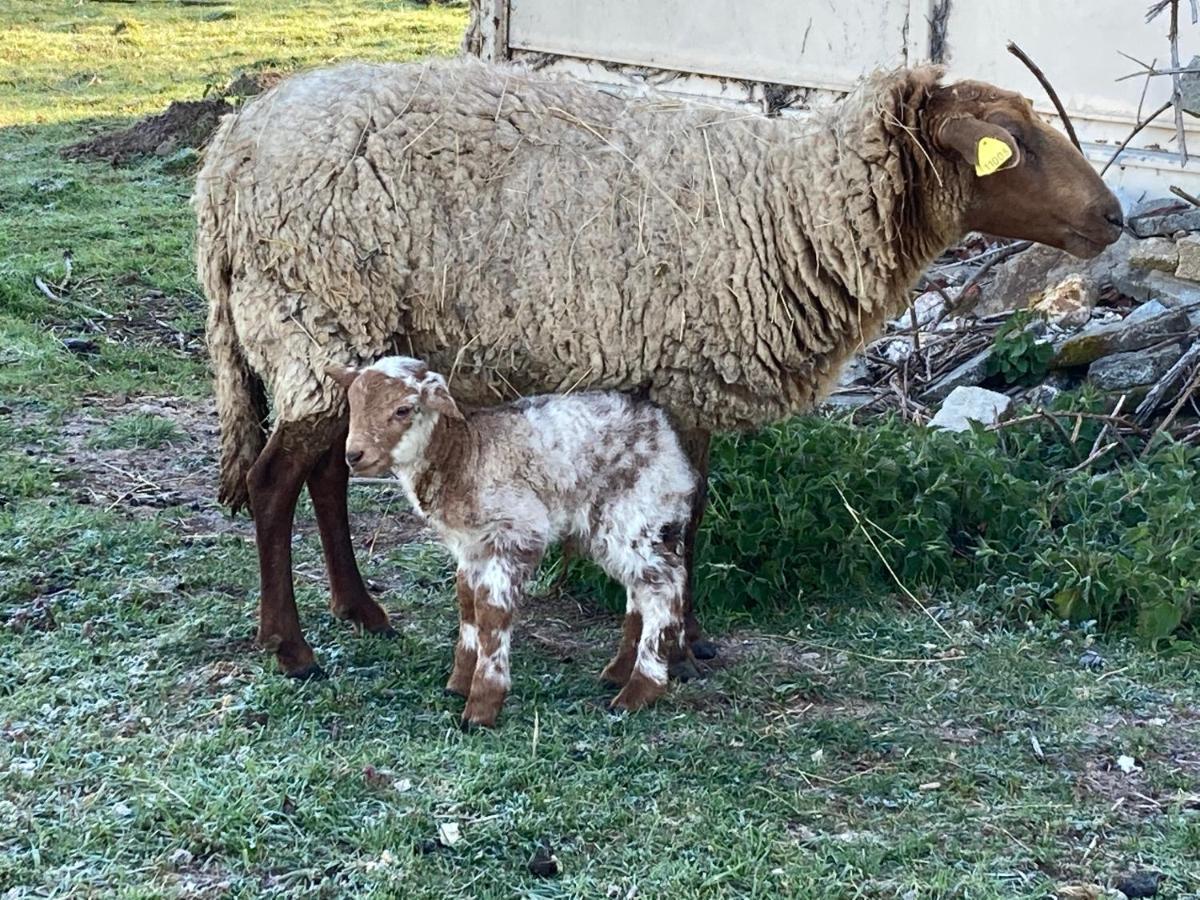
{"x":402,"y":412}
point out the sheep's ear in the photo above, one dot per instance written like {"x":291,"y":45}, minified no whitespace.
{"x":436,"y":396}
{"x":343,"y":375}
{"x":987,"y":147}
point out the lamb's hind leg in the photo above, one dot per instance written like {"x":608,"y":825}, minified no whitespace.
{"x":658,"y":602}
{"x":348,"y":597}
{"x":274,"y":484}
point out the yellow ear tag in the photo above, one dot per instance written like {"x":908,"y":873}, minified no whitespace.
{"x":990,"y":154}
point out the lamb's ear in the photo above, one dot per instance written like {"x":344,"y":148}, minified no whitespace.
{"x":343,"y":375}
{"x":435,"y":395}
{"x":989,"y":148}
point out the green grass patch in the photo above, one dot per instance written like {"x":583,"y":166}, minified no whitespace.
{"x":140,"y":431}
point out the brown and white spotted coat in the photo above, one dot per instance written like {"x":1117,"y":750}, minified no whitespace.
{"x":503,"y":484}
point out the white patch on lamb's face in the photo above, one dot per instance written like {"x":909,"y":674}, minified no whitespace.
{"x":410,"y":448}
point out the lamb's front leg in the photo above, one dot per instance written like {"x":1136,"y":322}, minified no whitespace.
{"x":468,"y":640}
{"x":496,"y":584}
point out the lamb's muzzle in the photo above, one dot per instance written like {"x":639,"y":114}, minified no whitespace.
{"x":502,"y":485}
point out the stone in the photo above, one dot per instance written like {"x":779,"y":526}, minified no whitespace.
{"x":1154,"y":206}
{"x":973,"y":371}
{"x":1015,"y":280}
{"x":855,"y":371}
{"x":1147,"y":310}
{"x":1189,"y":257}
{"x":927,"y":306}
{"x":1155,"y":253}
{"x":897,"y":351}
{"x":1122,"y":371}
{"x":1099,"y":341}
{"x":971,"y":404}
{"x":1189,"y":88}
{"x":1167,"y":289}
{"x":847,"y":401}
{"x":1069,"y":303}
{"x":1139,"y":884}
{"x":1166,"y":224}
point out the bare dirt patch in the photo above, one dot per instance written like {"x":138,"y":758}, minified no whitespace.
{"x":185,"y":123}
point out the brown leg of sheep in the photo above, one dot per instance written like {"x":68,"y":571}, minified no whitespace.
{"x":274,"y":484}
{"x":695,"y":445}
{"x":348,"y":597}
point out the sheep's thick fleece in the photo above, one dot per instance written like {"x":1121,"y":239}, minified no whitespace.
{"x":527,"y":233}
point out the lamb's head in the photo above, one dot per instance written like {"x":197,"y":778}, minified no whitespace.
{"x":394,"y":406}
{"x":1025,"y":180}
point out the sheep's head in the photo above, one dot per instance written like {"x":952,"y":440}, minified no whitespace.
{"x":394,"y":405}
{"x":1026,"y":179}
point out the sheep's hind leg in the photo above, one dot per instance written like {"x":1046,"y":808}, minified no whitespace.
{"x":659,"y":605}
{"x":274,"y":484}
{"x":465,"y":650}
{"x":348,"y":597}
{"x":695,"y":446}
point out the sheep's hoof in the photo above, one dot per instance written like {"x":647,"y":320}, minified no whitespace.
{"x":703,"y":649}
{"x":683,"y":669}
{"x":311,"y":672}
{"x":386,"y":632}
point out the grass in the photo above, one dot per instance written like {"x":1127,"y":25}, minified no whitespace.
{"x":843,"y":747}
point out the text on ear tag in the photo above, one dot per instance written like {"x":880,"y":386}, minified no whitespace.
{"x":990,"y":154}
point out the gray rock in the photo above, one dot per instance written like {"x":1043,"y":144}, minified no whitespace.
{"x":1155,"y":253}
{"x":1189,"y":88}
{"x":1131,"y":333}
{"x":847,"y":401}
{"x":853,"y":372}
{"x":973,"y":371}
{"x":1189,"y":257}
{"x":1123,"y":371}
{"x":1156,"y":206}
{"x":1042,"y":396}
{"x":1167,"y":289}
{"x":971,"y":404}
{"x":1147,"y":310}
{"x":1167,"y":224}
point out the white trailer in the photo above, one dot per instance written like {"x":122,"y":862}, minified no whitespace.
{"x":785,"y":56}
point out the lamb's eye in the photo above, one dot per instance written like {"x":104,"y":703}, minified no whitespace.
{"x":402,"y":412}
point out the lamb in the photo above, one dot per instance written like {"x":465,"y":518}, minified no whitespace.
{"x":502,"y":484}
{"x":527,"y":233}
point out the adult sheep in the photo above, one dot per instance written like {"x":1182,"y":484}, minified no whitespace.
{"x":527,"y":233}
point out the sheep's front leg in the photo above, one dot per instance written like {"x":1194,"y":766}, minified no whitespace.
{"x":348,"y":597}
{"x":466,"y":649}
{"x":659,"y":606}
{"x":496,"y":585}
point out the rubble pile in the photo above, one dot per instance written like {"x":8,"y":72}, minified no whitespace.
{"x":1125,"y":323}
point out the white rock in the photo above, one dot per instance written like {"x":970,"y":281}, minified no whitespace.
{"x":928,"y":307}
{"x":897,"y":351}
{"x":449,"y":833}
{"x":971,"y":404}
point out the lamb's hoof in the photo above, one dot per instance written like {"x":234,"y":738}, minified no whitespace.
{"x":311,"y":672}
{"x":386,"y":632}
{"x":703,"y":649}
{"x":683,"y":670}
{"x":637,"y":693}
